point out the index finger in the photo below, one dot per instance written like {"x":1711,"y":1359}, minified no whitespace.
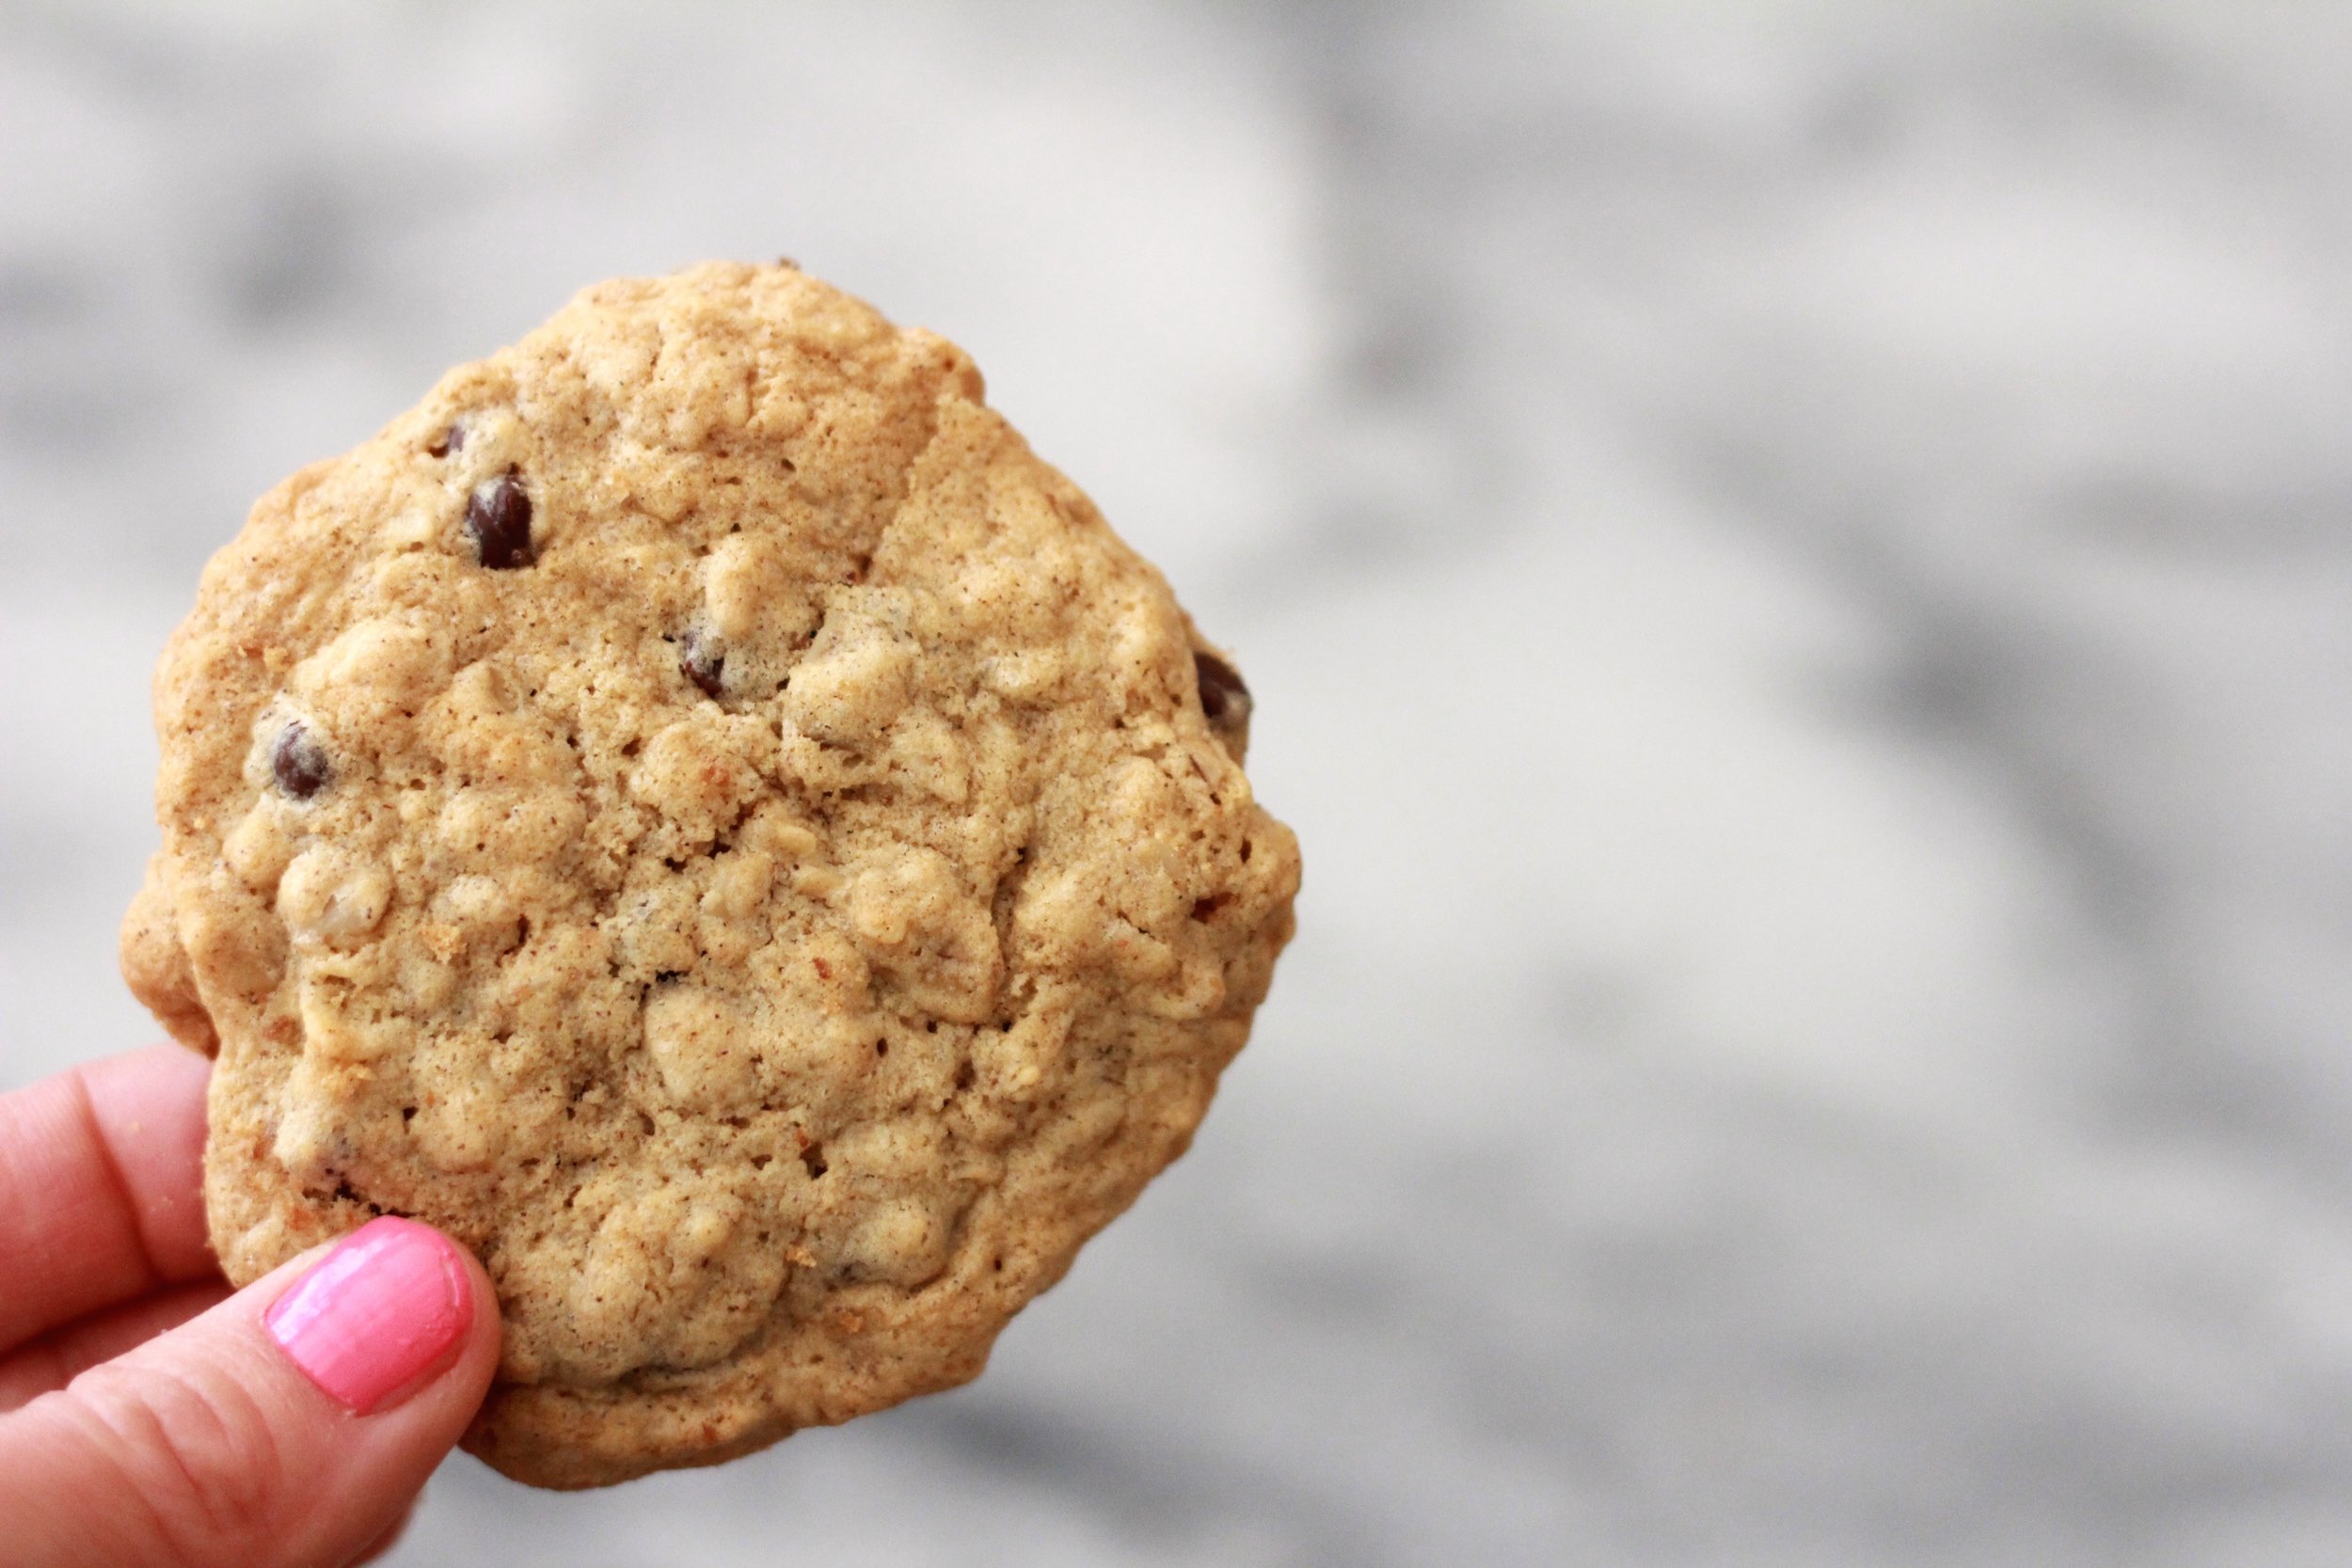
{"x":100,"y":1187}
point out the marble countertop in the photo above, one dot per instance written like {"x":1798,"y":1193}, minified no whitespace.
{"x":1797,"y":568}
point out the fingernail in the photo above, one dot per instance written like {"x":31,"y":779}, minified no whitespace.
{"x":377,"y":1312}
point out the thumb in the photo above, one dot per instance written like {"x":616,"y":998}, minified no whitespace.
{"x":287,"y":1427}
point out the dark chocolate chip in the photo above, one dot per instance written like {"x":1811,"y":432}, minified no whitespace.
{"x":1224,"y":701}
{"x":300,"y":763}
{"x":699,"y":662}
{"x":450,"y":440}
{"x":498,"y":520}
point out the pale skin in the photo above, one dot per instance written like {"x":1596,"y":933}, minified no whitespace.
{"x":150,"y":1415}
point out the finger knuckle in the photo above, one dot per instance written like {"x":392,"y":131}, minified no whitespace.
{"x":200,"y":1453}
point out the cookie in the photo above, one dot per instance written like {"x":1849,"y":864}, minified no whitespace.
{"x":699,"y":812}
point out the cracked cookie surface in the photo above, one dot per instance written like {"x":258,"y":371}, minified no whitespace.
{"x":701,"y":813}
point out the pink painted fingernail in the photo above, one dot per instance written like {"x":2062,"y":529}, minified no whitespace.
{"x":375,"y":1313}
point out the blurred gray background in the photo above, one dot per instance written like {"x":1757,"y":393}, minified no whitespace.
{"x":1797,"y":566}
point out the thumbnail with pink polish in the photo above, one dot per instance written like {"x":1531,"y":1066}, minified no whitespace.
{"x":387,"y":1303}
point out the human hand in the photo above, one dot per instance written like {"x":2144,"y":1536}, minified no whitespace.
{"x":149,"y":1415}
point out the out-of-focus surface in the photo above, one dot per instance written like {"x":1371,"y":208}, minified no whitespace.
{"x":1798,"y":578}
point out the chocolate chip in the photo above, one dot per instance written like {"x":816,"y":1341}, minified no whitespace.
{"x":498,"y":520}
{"x":699,"y":662}
{"x":300,"y":763}
{"x":450,"y":440}
{"x":1224,"y":701}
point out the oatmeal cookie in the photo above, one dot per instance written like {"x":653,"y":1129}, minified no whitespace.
{"x":699,"y":812}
